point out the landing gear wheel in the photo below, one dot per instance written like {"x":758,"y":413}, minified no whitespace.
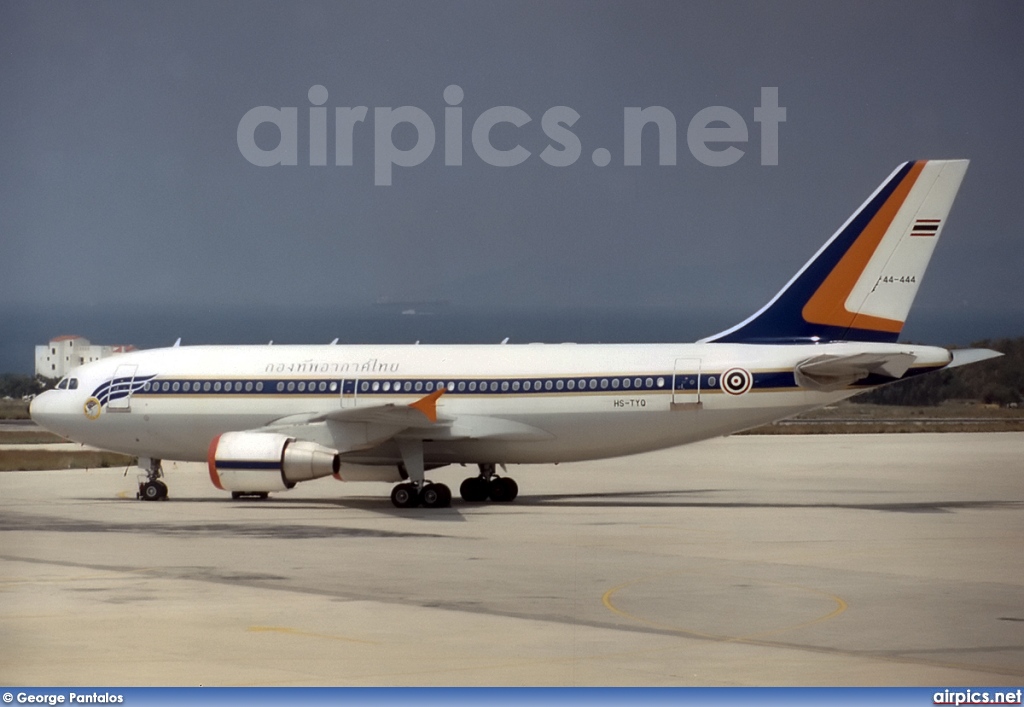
{"x":405,"y":496}
{"x":153,"y":491}
{"x":150,"y":486}
{"x":473,"y":490}
{"x":503,"y":489}
{"x":436,"y":496}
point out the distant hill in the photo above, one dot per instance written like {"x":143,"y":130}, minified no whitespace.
{"x":999,"y":381}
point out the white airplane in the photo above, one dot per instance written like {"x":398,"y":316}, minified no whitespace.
{"x":265,"y":418}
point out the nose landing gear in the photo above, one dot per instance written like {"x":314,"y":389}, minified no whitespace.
{"x":151,"y":488}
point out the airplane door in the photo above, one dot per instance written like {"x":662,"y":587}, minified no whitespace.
{"x":120,"y":399}
{"x":686,"y":384}
{"x":349,"y":392}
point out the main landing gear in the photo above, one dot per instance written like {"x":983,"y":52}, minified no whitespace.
{"x":418,"y":491}
{"x":431,"y":495}
{"x":151,"y":488}
{"x":500,"y":489}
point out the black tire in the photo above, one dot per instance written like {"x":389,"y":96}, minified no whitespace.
{"x":151,"y":491}
{"x":473,"y":490}
{"x":503,"y":490}
{"x":511,"y":489}
{"x":436,"y":496}
{"x":405,"y":496}
{"x":163,"y":489}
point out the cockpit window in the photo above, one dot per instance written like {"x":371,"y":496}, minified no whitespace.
{"x":73,"y":384}
{"x":63,"y":385}
{"x":68,"y":384}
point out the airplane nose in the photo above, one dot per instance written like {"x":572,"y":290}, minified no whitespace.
{"x":42,"y":409}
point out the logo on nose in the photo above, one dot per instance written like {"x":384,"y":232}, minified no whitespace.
{"x":92,"y":408}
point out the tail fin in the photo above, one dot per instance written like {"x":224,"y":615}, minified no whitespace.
{"x":859,"y":286}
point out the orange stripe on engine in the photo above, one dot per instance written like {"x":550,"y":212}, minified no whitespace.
{"x":828,"y":304}
{"x":211,"y":461}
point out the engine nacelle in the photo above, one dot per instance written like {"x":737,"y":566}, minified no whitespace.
{"x":260,"y":462}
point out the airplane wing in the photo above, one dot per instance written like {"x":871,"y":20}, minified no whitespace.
{"x":832,"y":372}
{"x":421,"y":413}
{"x":361,"y":428}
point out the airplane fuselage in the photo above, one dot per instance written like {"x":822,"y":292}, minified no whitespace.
{"x":562,"y":402}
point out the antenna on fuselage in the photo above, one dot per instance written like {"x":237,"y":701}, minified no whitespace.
{"x":335,"y":341}
{"x":505,"y":340}
{"x":177,"y":343}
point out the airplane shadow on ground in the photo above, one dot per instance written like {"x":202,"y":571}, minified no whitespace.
{"x":669,"y":498}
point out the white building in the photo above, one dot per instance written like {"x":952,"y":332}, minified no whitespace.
{"x":55,"y":359}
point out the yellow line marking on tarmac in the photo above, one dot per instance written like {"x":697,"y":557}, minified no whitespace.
{"x":308,"y":634}
{"x":606,"y":599}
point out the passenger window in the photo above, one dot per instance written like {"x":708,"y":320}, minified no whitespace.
{"x":560,"y":384}
{"x":504,"y":386}
{"x":604,"y":384}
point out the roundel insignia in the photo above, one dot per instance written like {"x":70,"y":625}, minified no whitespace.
{"x":92,"y":408}
{"x":737,"y":381}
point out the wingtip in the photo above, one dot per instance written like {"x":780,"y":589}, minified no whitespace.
{"x":428,"y":404}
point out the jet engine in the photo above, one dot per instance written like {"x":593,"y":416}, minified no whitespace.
{"x":260,"y":462}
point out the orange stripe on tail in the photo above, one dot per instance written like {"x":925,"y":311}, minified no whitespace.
{"x":828,"y":304}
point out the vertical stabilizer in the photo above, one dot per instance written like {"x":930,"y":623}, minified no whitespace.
{"x":860,"y":285}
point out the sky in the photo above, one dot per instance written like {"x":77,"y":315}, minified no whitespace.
{"x":126,"y":184}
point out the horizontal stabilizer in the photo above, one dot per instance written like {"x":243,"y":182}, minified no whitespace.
{"x":962,"y":357}
{"x":829,"y":372}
